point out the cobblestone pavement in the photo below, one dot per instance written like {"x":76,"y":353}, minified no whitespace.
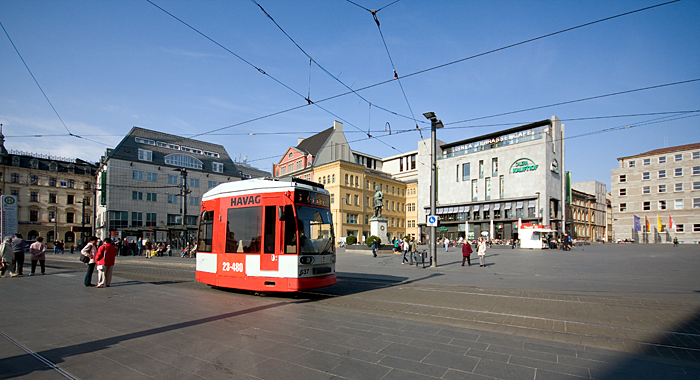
{"x":383,"y":320}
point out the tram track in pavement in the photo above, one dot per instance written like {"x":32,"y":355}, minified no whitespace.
{"x":613,"y":322}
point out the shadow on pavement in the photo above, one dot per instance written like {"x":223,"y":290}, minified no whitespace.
{"x":23,"y":365}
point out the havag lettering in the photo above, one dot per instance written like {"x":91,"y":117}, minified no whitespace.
{"x":245,"y":200}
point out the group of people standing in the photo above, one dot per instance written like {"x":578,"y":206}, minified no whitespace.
{"x":480,"y":250}
{"x":102,"y":256}
{"x":12,"y":250}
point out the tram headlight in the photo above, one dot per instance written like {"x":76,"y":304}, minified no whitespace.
{"x":333,"y":259}
{"x":306,"y":260}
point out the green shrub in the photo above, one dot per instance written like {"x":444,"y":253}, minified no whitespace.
{"x":373,"y":238}
{"x":350,"y":240}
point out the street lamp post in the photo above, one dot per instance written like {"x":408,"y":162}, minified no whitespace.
{"x":434,"y":125}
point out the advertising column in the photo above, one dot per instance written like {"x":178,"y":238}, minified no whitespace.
{"x":8,"y":215}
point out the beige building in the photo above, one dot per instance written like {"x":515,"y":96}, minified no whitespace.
{"x":660,"y":185}
{"x":587,"y":214}
{"x":55,"y":194}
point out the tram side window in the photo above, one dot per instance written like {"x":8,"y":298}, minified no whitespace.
{"x":270,"y":224}
{"x":290,"y":230}
{"x":243,"y":228}
{"x":206,"y":229}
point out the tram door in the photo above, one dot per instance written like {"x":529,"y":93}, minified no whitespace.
{"x":269,"y":259}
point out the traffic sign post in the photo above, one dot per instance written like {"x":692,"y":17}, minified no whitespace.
{"x":432,"y":221}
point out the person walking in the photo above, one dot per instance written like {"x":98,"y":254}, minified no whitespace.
{"x":89,"y":250}
{"x":18,"y":249}
{"x":6,"y":256}
{"x":447,"y":244}
{"x":374,"y":247}
{"x":481,"y":251}
{"x":466,"y":253}
{"x":38,"y":252}
{"x":105,"y":259}
{"x":139,"y":243}
{"x":404,"y":248}
{"x":414,"y":250}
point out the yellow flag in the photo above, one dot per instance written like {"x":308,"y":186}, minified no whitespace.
{"x":659,"y":227}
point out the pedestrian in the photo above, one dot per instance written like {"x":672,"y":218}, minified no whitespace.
{"x":184,"y":251}
{"x":6,"y":256}
{"x":374,"y":247}
{"x":481,"y":251}
{"x":134,"y":248}
{"x":447,"y":244}
{"x":104,"y":259}
{"x":38,"y":252}
{"x":396,"y":247}
{"x":72,"y":248}
{"x":90,"y":250}
{"x":414,"y":249}
{"x":18,"y":249}
{"x":404,"y":249}
{"x":140,"y":246}
{"x":147,"y":248}
{"x":466,"y":253}
{"x":675,"y":241}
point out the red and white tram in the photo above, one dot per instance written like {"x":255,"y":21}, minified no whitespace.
{"x":266,"y":235}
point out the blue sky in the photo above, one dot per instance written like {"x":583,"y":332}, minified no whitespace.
{"x":109,"y":65}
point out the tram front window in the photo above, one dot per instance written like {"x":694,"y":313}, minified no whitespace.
{"x":315,"y":230}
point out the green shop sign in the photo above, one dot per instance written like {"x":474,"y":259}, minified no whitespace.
{"x":523,"y":165}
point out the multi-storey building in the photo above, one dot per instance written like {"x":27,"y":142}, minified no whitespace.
{"x":55,"y":194}
{"x":350,"y":177}
{"x":142,"y":185}
{"x":660,"y":185}
{"x":403,"y":167}
{"x":495,"y":180}
{"x":588,"y":211}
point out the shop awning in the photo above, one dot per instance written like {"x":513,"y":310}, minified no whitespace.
{"x":466,"y":208}
{"x":461,"y":209}
{"x":531,"y":204}
{"x":519,"y":205}
{"x":476,"y":208}
{"x":507,"y":206}
{"x":487,"y":207}
{"x":497,"y":206}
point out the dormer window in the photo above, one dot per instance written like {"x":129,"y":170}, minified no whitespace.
{"x":53,"y":167}
{"x":183,"y":160}
{"x":34,"y":164}
{"x":217,"y":167}
{"x":15,"y":161}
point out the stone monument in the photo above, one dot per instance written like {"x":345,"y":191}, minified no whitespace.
{"x":378,"y":224}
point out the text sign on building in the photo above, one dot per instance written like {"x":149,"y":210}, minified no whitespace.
{"x":8,"y":215}
{"x":522,"y":165}
{"x":507,"y":139}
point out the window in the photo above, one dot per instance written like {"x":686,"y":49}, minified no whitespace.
{"x":52,"y":182}
{"x":70,"y":199}
{"x":679,"y":187}
{"x":487,"y":187}
{"x":347,"y":199}
{"x":145,"y":155}
{"x":52,"y":216}
{"x":678,"y":204}
{"x":475,"y":190}
{"x":696,"y":202}
{"x":194,"y":182}
{"x":346,"y":179}
{"x":623,"y":192}
{"x":662,"y":205}
{"x":647,"y":161}
{"x":696,"y":170}
{"x":33,"y":196}
{"x":244,"y":227}
{"x":466,"y":169}
{"x":481,"y":168}
{"x":678,"y":172}
{"x":623,"y":207}
{"x":494,"y":167}
{"x":623,"y":178}
{"x":219,"y":167}
{"x":696,"y":155}
{"x":679,"y":228}
{"x":679,"y":157}
{"x":87,"y":186}
{"x":33,"y":215}
{"x":662,"y":188}
{"x":646,"y":175}
{"x":118,"y":219}
{"x":332,"y":198}
{"x":662,"y":159}
{"x":351,"y":218}
{"x":53,"y":198}
{"x":413,"y":162}
{"x":173,"y":180}
{"x":501,"y":187}
{"x":15,"y":178}
{"x":646,"y":206}
{"x":646,"y":190}
{"x":366,"y":201}
{"x":15,"y":193}
{"x":34,"y":180}
{"x":662,"y":173}
{"x":333,"y":178}
{"x":696,"y":227}
{"x":696,"y":185}
{"x":137,"y":175}
{"x":631,"y":164}
{"x":136,"y":196}
{"x":211,"y":184}
{"x":151,"y":197}
{"x":183,"y":160}
{"x":194,"y":201}
{"x":357,"y":200}
{"x":153,"y":177}
{"x":136,"y":219}
{"x":70,"y":217}
{"x":151,"y":219}
{"x":86,"y":201}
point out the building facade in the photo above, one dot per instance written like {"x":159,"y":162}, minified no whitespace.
{"x":488,"y":183}
{"x":55,"y":195}
{"x":142,"y":185}
{"x":588,"y":211}
{"x":659,"y":186}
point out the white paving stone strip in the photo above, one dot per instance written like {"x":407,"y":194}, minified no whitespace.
{"x":42,"y":359}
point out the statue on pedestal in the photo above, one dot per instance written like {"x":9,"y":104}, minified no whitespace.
{"x":378,"y":202}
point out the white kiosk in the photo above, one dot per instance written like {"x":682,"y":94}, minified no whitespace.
{"x":530,"y":235}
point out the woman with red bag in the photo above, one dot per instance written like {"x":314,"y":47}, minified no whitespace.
{"x":104,"y":259}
